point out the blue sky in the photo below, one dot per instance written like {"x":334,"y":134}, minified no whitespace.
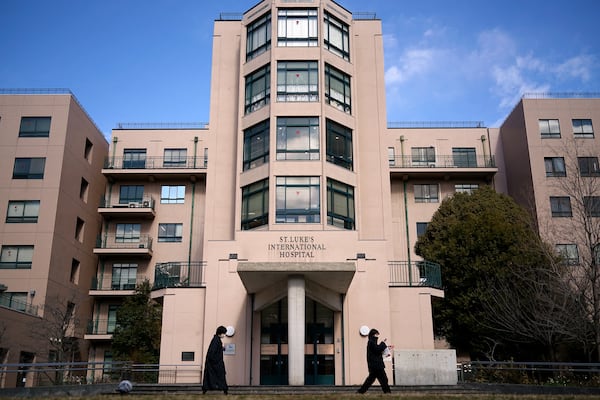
{"x":445,"y":60}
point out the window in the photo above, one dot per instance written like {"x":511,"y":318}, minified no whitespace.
{"x":588,"y":166}
{"x":337,"y":89}
{"x":172,"y":194}
{"x":29,"y":168}
{"x":23,"y":211}
{"x":258,"y":37}
{"x":297,"y":81}
{"x":83,"y":190}
{"x":297,"y":27}
{"x":256,"y":145}
{"x":582,"y":128}
{"x":555,"y":166}
{"x":591,"y":205}
{"x":175,"y":158}
{"x":298,"y":200}
{"x":131,"y":194}
{"x":427,"y":193}
{"x":16,"y":257}
{"x":569,"y":253}
{"x":298,"y":138}
{"x":79,"y":229}
{"x":464,"y":157}
{"x":340,"y":204}
{"x":422,"y":156}
{"x":170,"y":232}
{"x":339,"y":145}
{"x":127,"y":233}
{"x":134,"y":158}
{"x":75,"y":266}
{"x":35,"y":127}
{"x":465,"y":187}
{"x":421,"y":228}
{"x":255,"y":205}
{"x":258,"y":89}
{"x":87,"y":153}
{"x":124,"y":276}
{"x":14,"y":300}
{"x":187,"y":355}
{"x":336,"y":36}
{"x":391,"y":156}
{"x":111,"y":323}
{"x":561,"y":206}
{"x":549,"y":128}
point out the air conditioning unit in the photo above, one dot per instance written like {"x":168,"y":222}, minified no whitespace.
{"x":146,"y":204}
{"x":431,"y":165}
{"x":142,"y":246}
{"x":133,"y":205}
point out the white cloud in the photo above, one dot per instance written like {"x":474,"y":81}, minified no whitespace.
{"x":412,"y":63}
{"x":576,"y":67}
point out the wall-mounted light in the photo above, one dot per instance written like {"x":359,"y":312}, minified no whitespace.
{"x":230,"y":331}
{"x":364,"y":330}
{"x":32,"y":293}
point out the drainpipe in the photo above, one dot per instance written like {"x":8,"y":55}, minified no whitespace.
{"x":407,"y":232}
{"x":192,"y":211}
{"x":251,"y":336}
{"x":343,"y":350}
{"x":114,"y":150}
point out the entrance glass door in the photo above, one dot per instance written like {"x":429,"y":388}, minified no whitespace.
{"x":274,"y":344}
{"x":319,"y":361}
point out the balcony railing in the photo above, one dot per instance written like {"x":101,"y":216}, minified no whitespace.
{"x":145,"y":202}
{"x":453,"y":161}
{"x":179,"y":274}
{"x":155,"y":163}
{"x":101,"y":326}
{"x":415,"y":273}
{"x":8,"y":302}
{"x":108,"y":284}
{"x":124,"y":242}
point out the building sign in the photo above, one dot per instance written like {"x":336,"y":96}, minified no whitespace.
{"x":296,"y":247}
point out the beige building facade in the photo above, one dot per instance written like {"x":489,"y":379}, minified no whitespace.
{"x":50,"y":184}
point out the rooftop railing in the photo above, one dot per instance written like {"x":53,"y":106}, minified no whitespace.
{"x":161,"y":125}
{"x":415,"y":273}
{"x":156,"y":163}
{"x":435,"y":124}
{"x":179,"y":274}
{"x":445,"y":161}
{"x":561,"y":95}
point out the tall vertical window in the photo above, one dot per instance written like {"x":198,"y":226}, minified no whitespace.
{"x":23,"y":211}
{"x":588,"y":166}
{"x":172,"y":194}
{"x":127,"y":233}
{"x":298,"y":200}
{"x":131,"y":194}
{"x":555,"y":166}
{"x":298,"y":138}
{"x":258,"y":89}
{"x":170,"y":232}
{"x":340,"y":204}
{"x":256,"y":145}
{"x":339,"y":145}
{"x":391,"y":156}
{"x":34,"y":127}
{"x":549,"y":128}
{"x":422,"y":156}
{"x":75,"y":267}
{"x":337,"y":89}
{"x":83,"y":189}
{"x":297,"y":27}
{"x":16,"y":257}
{"x":560,"y":206}
{"x":111,"y":323}
{"x":175,"y":158}
{"x":297,"y":81}
{"x":124,"y":276}
{"x":427,"y":193}
{"x":134,"y":158}
{"x":336,"y":36}
{"x":258,"y":37}
{"x":464,"y":157}
{"x":569,"y":253}
{"x":79,"y":229}
{"x":87,"y":152}
{"x":582,"y":128}
{"x":255,"y":205}
{"x":29,"y":168}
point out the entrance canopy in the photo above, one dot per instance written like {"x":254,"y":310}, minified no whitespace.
{"x":258,"y":276}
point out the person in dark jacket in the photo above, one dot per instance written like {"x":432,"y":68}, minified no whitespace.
{"x":375,"y":363}
{"x":214,"y":367}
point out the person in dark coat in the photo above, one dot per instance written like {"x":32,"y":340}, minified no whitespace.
{"x":214,"y":367}
{"x":375,"y":363}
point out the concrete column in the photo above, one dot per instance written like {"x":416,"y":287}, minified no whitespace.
{"x":296,"y":322}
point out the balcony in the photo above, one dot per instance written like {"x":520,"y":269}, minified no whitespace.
{"x":108,"y":287}
{"x":444,"y":166}
{"x":112,"y":245}
{"x":163,"y":167}
{"x":179,"y":274}
{"x":416,"y":273}
{"x":100,"y":329}
{"x":143,"y":208}
{"x":9,"y":302}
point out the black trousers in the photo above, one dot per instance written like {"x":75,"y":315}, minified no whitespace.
{"x":381,"y":376}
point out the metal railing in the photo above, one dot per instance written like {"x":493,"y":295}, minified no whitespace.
{"x":124,"y":242}
{"x":145,"y":202}
{"x":415,"y":273}
{"x":435,"y":124}
{"x":7,"y":301}
{"x":161,"y":125}
{"x":101,"y":326}
{"x":108,"y":284}
{"x":561,"y":95}
{"x":443,"y":161}
{"x":179,"y":274}
{"x":199,"y":162}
